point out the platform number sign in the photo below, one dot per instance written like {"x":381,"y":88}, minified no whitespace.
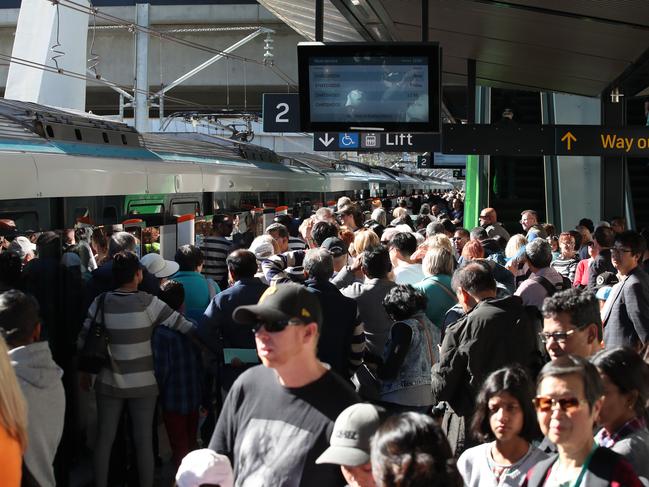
{"x":281,"y":112}
{"x":425,"y":161}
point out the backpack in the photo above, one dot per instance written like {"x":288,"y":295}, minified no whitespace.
{"x":553,"y":288}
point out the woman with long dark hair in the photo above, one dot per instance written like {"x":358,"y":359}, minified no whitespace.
{"x":505,"y":420}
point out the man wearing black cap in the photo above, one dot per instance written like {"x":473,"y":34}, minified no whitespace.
{"x":339,"y":251}
{"x":278,"y":418}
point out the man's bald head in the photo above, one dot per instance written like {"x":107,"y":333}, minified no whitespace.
{"x":488,"y":216}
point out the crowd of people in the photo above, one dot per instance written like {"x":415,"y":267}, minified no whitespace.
{"x":363,"y":346}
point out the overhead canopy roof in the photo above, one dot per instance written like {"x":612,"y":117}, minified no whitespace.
{"x":579,"y":46}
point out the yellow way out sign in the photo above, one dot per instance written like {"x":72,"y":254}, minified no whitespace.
{"x":594,"y":140}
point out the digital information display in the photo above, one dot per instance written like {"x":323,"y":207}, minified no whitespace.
{"x":369,"y":90}
{"x":368,"y":87}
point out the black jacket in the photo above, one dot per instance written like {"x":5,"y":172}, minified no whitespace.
{"x":339,"y":319}
{"x":495,"y":333}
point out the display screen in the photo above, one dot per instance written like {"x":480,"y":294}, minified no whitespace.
{"x":369,"y":89}
{"x":393,"y":87}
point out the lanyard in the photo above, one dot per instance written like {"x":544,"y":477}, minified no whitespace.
{"x":584,"y":467}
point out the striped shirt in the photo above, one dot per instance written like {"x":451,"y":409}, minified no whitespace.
{"x":566,"y":267}
{"x":295,"y":243}
{"x":215,"y":251}
{"x":130,"y":320}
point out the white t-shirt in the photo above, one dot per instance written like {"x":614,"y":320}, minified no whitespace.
{"x":408,"y":273}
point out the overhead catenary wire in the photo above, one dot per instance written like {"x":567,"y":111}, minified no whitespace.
{"x":87,"y":77}
{"x":165,"y":36}
{"x":161,"y":34}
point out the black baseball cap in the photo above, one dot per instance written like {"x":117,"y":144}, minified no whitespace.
{"x":281,"y":302}
{"x":335,"y":246}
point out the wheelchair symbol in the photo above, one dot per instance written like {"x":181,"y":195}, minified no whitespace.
{"x":348,"y":141}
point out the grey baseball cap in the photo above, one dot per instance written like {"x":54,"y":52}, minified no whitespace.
{"x":350,"y":439}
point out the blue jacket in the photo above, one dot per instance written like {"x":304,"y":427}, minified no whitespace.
{"x":218,"y":330}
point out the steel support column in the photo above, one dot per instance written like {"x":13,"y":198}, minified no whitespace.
{"x":614,"y":169}
{"x":142,"y":69}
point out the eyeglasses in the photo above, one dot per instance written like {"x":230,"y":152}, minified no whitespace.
{"x":275,"y":326}
{"x":558,"y":336}
{"x":619,"y":250}
{"x":546,"y":404}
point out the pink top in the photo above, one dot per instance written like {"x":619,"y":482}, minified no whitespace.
{"x":581,"y":273}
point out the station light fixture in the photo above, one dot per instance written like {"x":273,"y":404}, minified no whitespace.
{"x":268,"y":49}
{"x":616,"y":95}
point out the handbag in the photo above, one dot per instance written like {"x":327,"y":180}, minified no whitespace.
{"x":94,"y":354}
{"x":366,"y":383}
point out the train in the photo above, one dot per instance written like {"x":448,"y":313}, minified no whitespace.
{"x":59,"y":166}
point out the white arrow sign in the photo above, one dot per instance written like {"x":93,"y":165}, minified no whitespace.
{"x":326,"y":141}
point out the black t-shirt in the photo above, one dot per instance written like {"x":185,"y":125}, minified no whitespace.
{"x":274,"y":434}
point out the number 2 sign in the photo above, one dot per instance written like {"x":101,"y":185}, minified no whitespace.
{"x":281,"y":112}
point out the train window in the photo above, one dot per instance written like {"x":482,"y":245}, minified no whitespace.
{"x":104,"y":135}
{"x":124,"y":140}
{"x":50,"y":131}
{"x":80,"y":212}
{"x":24,"y":220}
{"x":109,"y":215}
{"x":77,"y":134}
{"x":145,"y":207}
{"x":179,"y":208}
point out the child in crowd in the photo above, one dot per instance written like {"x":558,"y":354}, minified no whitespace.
{"x":178,"y":371}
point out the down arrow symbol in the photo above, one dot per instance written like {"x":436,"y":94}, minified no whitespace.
{"x":326,"y":141}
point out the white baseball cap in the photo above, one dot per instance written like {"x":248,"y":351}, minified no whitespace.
{"x":158,"y":266}
{"x":205,"y":467}
{"x":22,"y":246}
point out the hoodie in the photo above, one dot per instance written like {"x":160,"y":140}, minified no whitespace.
{"x":40,"y":380}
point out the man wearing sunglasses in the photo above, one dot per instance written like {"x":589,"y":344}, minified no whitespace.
{"x":278,"y":417}
{"x":626,"y":312}
{"x":489,"y":221}
{"x":571,"y":324}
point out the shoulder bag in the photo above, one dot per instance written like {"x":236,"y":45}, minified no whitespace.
{"x":94,"y":354}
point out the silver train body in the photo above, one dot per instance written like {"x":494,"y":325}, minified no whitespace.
{"x":58,"y":166}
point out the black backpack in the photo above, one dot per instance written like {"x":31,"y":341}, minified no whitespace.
{"x":553,"y":288}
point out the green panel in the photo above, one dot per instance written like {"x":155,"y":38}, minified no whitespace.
{"x":144,"y":203}
{"x":472,"y":196}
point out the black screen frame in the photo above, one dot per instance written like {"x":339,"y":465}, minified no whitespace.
{"x":430,"y":50}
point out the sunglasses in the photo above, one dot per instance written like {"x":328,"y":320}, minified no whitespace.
{"x":546,"y":404}
{"x":275,"y":326}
